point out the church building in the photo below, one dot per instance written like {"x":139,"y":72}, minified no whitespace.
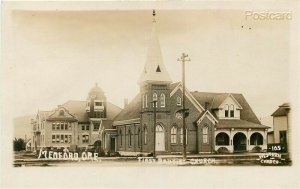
{"x":217,"y":122}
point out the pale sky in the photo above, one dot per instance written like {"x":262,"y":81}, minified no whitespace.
{"x":56,"y":56}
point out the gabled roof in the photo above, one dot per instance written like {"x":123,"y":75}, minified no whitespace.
{"x":283,"y":110}
{"x":77,"y":108}
{"x":219,"y":100}
{"x":214,"y":98}
{"x":179,"y":86}
{"x":174,"y":85}
{"x":131,"y":111}
{"x":44,"y":114}
{"x":57,"y":116}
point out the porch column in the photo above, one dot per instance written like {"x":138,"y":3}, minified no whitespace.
{"x":248,"y":140}
{"x":265,"y":141}
{"x":231,"y":147}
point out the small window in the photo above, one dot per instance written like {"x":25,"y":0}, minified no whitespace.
{"x":158,"y":69}
{"x":205,"y":134}
{"x":57,"y":126}
{"x":162,"y":100}
{"x":226,"y":110}
{"x":53,"y":139}
{"x":178,"y":101}
{"x":85,"y":138}
{"x":62,"y":126}
{"x":61,"y":113}
{"x":82,"y":127}
{"x":96,"y":126}
{"x":66,"y":126}
{"x":98,"y":103}
{"x":66,"y":138}
{"x":70,"y":139}
{"x":173,"y":135}
{"x":231,"y":110}
{"x":154,"y":99}
{"x":61,"y":138}
{"x":87,"y":127}
{"x":69,"y":124}
{"x":53,"y":126}
{"x":57,"y":138}
{"x":283,"y":138}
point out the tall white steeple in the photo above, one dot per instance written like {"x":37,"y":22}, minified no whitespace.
{"x":154,"y":70}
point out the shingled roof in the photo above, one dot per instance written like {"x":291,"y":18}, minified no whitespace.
{"x":283,"y":110}
{"x":238,"y":123}
{"x":77,"y":108}
{"x":131,"y":111}
{"x":214,"y":100}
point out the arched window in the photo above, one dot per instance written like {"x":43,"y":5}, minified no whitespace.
{"x":173,"y":135}
{"x":162,"y":100}
{"x":205,"y":134}
{"x":129,"y":137}
{"x":231,"y":110}
{"x":178,"y":101}
{"x":154,"y":98}
{"x":146,"y":100}
{"x":226,"y":110}
{"x":181,"y":136}
{"x":61,"y":113}
{"x":145,"y":135}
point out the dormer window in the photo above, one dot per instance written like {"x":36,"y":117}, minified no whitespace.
{"x":98,"y":103}
{"x":231,"y":110}
{"x":226,"y":110}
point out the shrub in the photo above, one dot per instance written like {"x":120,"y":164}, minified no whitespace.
{"x":223,"y":150}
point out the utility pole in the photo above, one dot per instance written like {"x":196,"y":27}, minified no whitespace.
{"x":184,"y":58}
{"x":154,"y":126}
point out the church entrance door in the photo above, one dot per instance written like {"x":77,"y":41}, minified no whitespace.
{"x":160,"y":138}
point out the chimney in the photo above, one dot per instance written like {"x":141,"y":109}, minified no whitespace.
{"x":125,"y":102}
{"x":206,"y":105}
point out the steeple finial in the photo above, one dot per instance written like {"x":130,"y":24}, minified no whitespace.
{"x":153,"y":14}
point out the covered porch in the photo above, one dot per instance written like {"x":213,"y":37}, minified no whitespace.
{"x":240,"y":136}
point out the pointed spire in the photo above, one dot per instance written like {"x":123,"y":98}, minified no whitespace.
{"x":154,"y":70}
